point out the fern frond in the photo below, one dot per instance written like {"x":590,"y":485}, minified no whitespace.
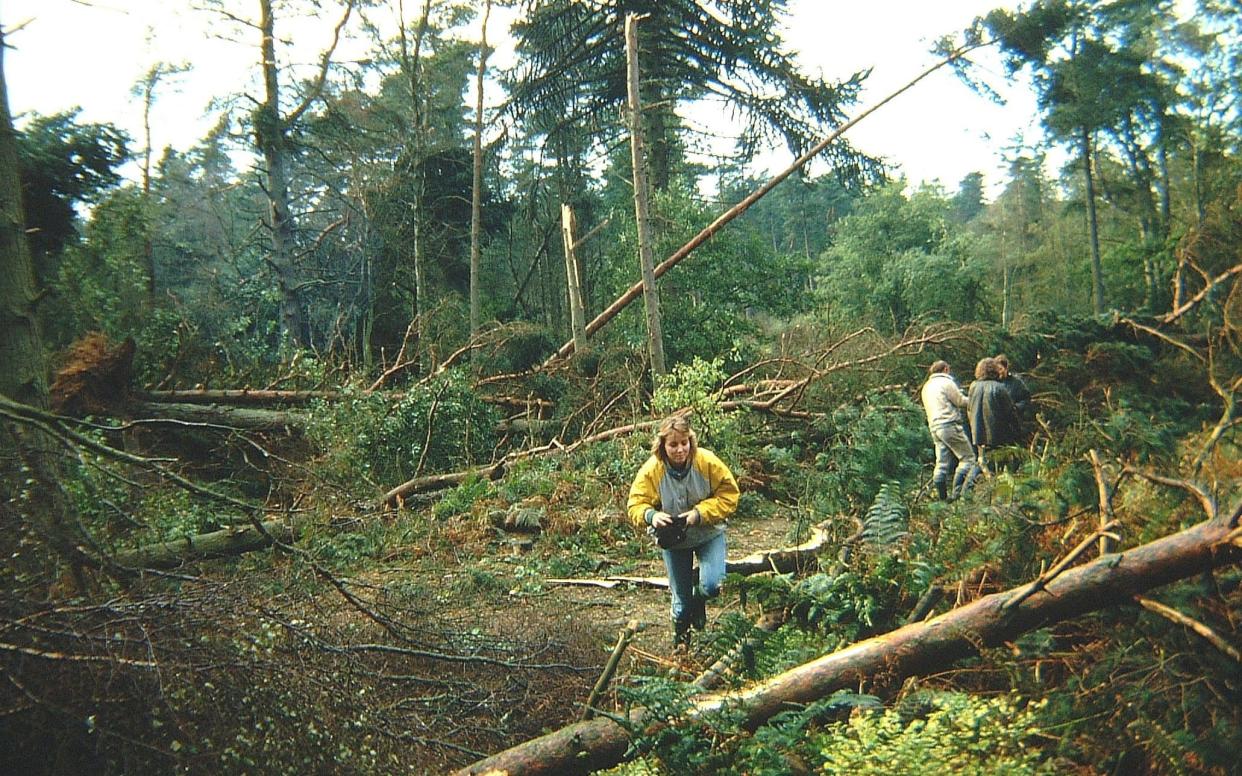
{"x":1168,"y":755}
{"x":884,"y":525}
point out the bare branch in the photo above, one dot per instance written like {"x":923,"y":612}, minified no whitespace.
{"x":1173,"y":615}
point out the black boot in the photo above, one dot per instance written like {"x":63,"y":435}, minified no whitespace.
{"x":698,"y":611}
{"x":942,"y":490}
{"x":681,"y":632}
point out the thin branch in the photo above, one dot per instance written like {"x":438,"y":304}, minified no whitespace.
{"x":1042,"y":581}
{"x":325,"y":61}
{"x":1193,"y":301}
{"x":1175,"y":616}
{"x":64,"y":656}
{"x":1205,"y":499}
{"x":1162,"y":337}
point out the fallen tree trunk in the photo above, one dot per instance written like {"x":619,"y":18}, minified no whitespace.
{"x":247,"y":397}
{"x":217,"y":544}
{"x":908,"y":651}
{"x":633,"y":292}
{"x":239,"y":396}
{"x":784,"y":560}
{"x":241,"y":418}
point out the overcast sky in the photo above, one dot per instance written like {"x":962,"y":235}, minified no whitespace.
{"x":91,"y":53}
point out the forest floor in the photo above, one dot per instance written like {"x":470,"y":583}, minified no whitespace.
{"x":605,"y":611}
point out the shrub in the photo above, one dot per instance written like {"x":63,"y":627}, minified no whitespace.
{"x":961,"y":734}
{"x":436,"y":427}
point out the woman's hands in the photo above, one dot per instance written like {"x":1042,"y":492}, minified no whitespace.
{"x":661,"y":519}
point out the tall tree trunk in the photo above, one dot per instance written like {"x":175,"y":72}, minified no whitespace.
{"x":30,"y":486}
{"x":476,"y":195}
{"x":24,"y":376}
{"x":1007,"y":295}
{"x":1097,"y":266}
{"x":418,"y":127}
{"x":651,"y":294}
{"x":271,"y":135}
{"x":148,"y":248}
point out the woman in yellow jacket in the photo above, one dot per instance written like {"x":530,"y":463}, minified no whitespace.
{"x":683,"y":482}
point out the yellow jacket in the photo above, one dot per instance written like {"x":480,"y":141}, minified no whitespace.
{"x":715,"y":509}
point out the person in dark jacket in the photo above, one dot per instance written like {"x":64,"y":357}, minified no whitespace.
{"x":1016,"y":386}
{"x":990,"y":409}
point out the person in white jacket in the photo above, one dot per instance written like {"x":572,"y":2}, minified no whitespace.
{"x":943,"y":402}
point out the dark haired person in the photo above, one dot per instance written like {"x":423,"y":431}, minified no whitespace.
{"x":955,"y":459}
{"x":993,"y":417}
{"x":684,"y":481}
{"x":1016,"y":386}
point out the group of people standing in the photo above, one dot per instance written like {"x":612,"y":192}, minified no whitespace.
{"x":684,"y":494}
{"x":995,"y":406}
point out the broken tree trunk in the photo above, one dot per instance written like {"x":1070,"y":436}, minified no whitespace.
{"x":784,"y":560}
{"x":908,"y":651}
{"x":242,"y":396}
{"x":573,"y":279}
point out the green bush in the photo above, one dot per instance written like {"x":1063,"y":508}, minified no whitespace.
{"x":697,"y":386}
{"x":868,"y":446}
{"x":958,"y":733}
{"x":436,"y":427}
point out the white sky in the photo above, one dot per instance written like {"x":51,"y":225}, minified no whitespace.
{"x":91,"y":53}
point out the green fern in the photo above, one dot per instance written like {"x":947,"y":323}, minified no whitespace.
{"x":884,"y":525}
{"x":1168,"y":755}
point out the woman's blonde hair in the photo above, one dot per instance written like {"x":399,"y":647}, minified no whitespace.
{"x":680,"y":424}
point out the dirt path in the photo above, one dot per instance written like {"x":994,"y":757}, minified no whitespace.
{"x":610,"y":609}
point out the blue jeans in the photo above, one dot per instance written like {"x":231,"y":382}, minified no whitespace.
{"x":680,"y":566}
{"x":955,"y":458}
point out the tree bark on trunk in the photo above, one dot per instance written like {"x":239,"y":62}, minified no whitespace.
{"x":476,"y":193}
{"x":240,"y":396}
{"x":244,"y":418}
{"x":573,"y":279}
{"x":271,"y":134}
{"x":651,"y":294}
{"x":912,"y":650}
{"x":1093,"y":227}
{"x":216,"y":544}
{"x":28,"y":458}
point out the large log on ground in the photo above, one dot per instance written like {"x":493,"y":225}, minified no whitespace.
{"x":909,"y":651}
{"x":239,"y":396}
{"x":243,"y":418}
{"x":217,"y":544}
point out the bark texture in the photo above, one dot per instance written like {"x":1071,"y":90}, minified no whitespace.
{"x":217,"y":544}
